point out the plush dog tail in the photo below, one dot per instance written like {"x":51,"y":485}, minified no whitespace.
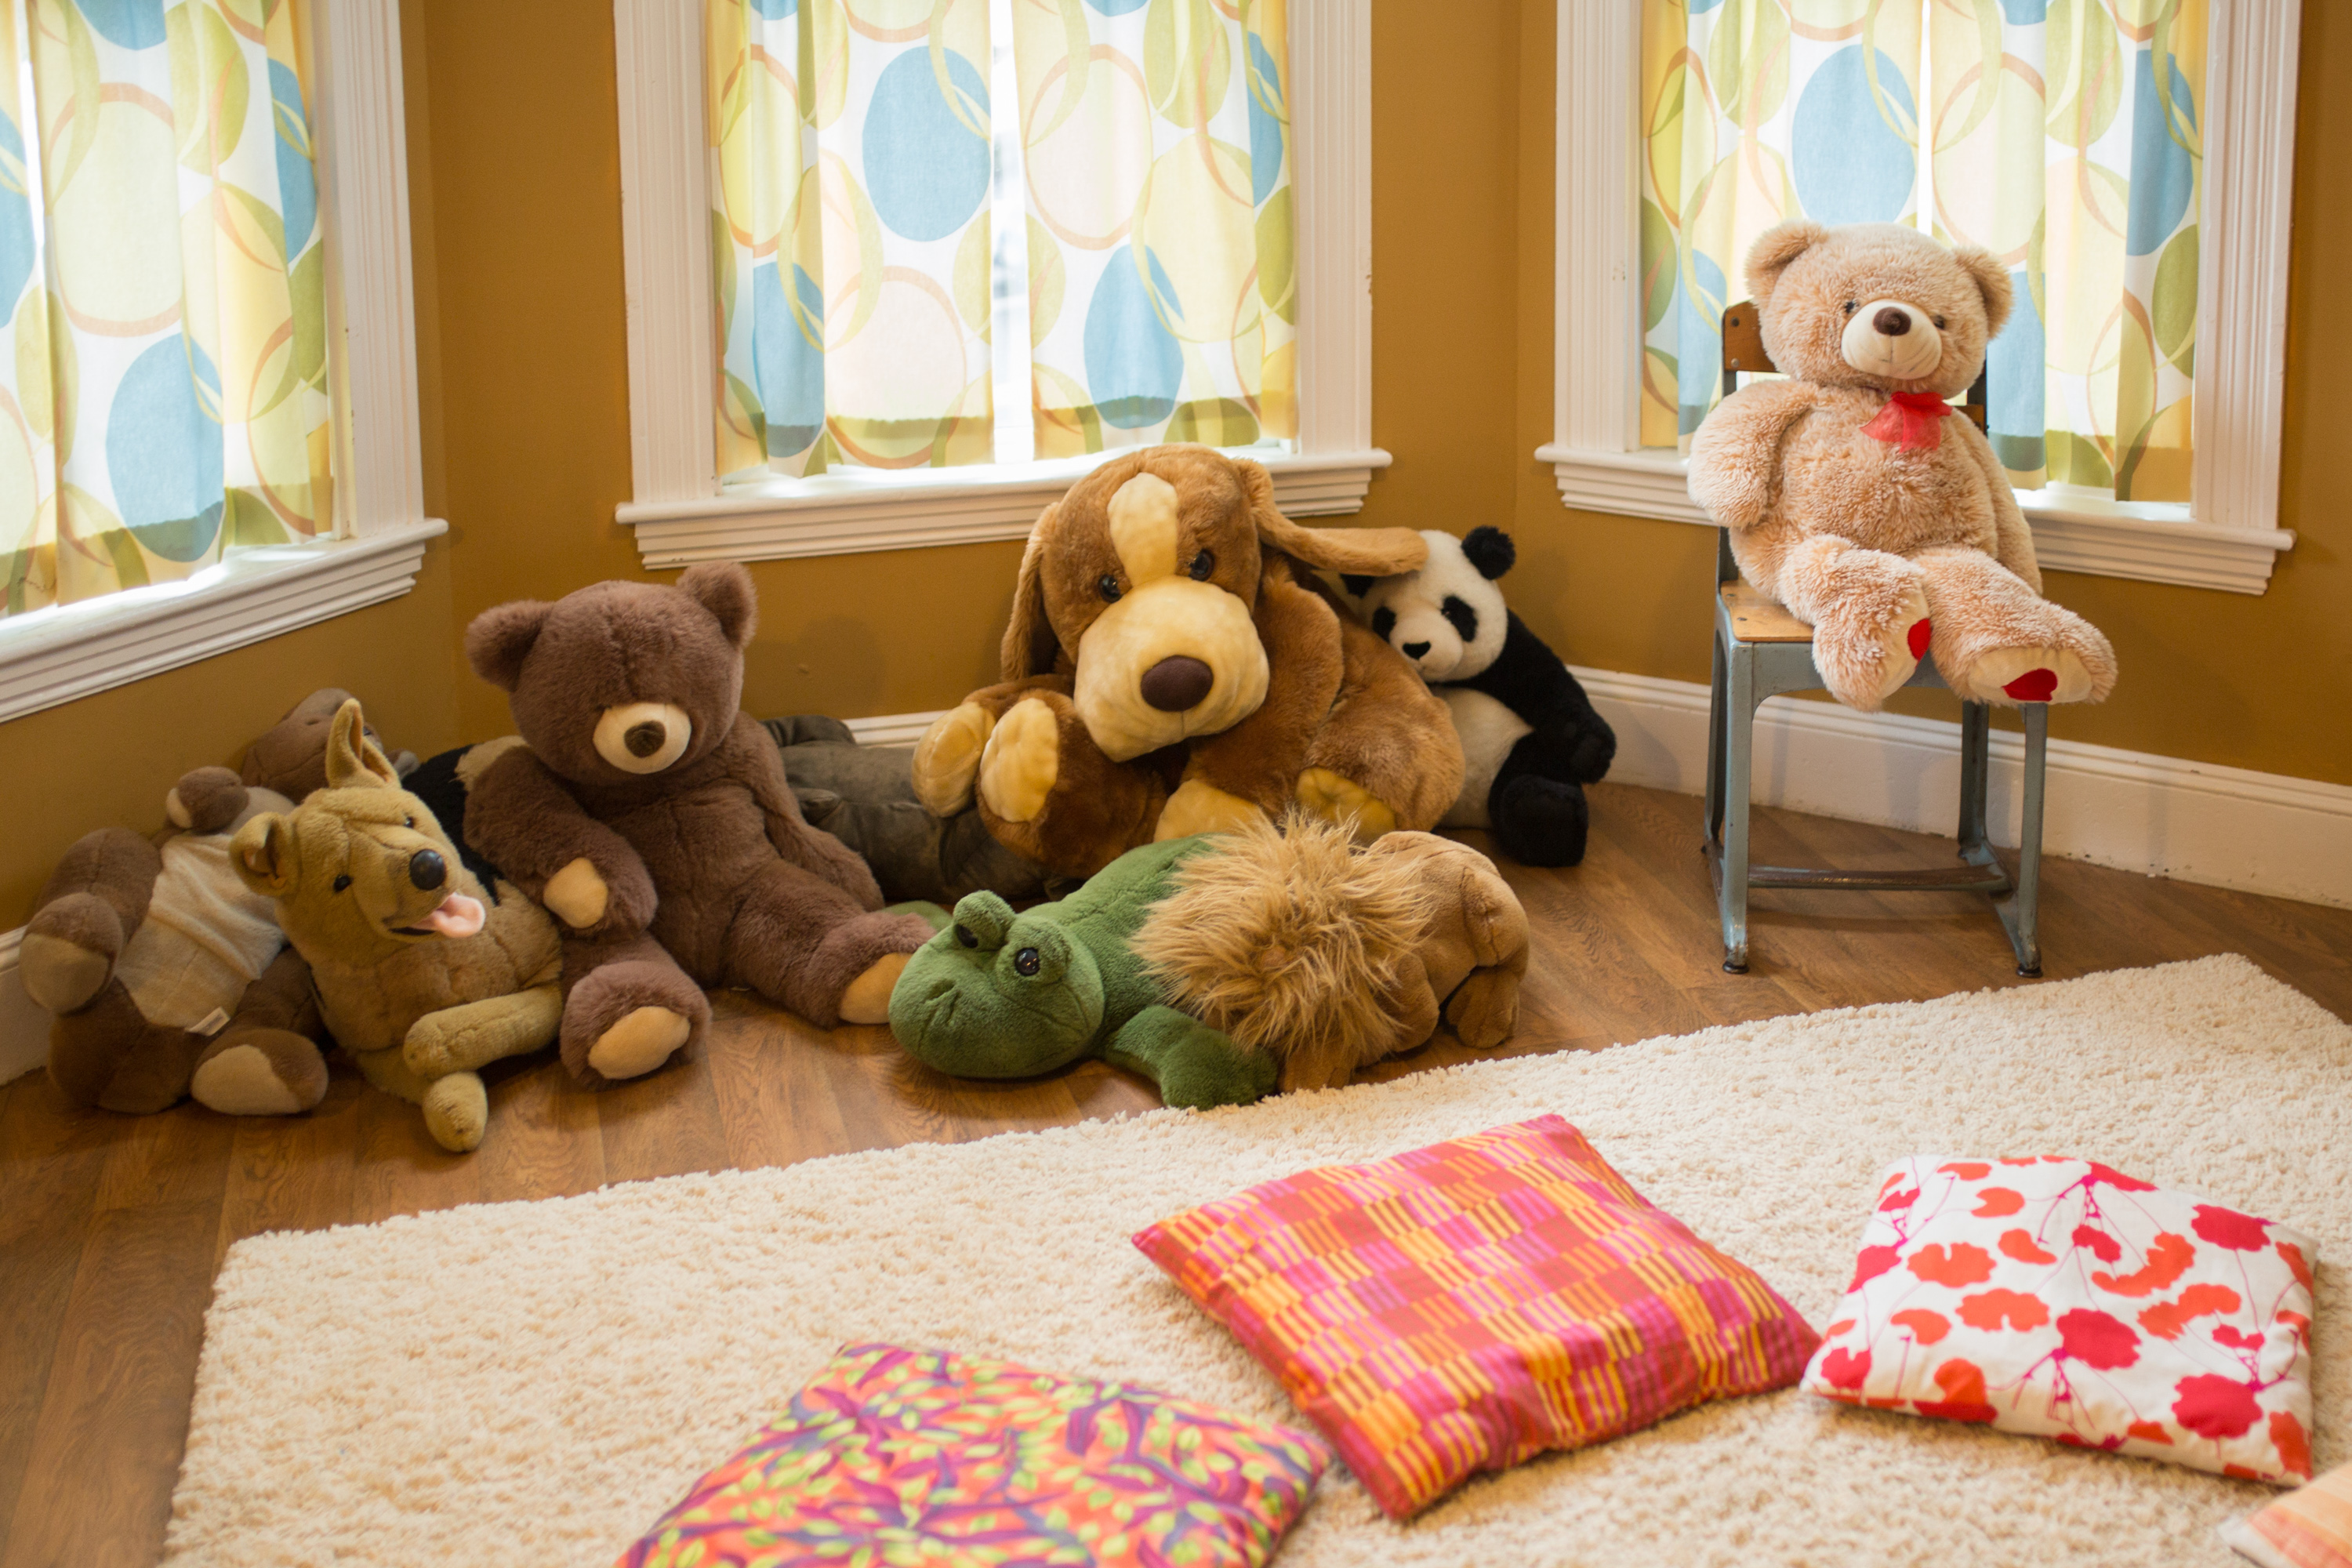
{"x":1289,"y":939}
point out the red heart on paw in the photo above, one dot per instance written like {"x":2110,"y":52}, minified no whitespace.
{"x":1921,"y":631}
{"x":2035,"y":686}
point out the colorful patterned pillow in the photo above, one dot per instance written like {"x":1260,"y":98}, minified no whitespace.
{"x":1469,"y":1305}
{"x":920,"y":1456}
{"x":2308,"y":1528}
{"x":2067,"y":1299}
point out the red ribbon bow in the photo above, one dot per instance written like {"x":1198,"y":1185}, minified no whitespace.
{"x":1911,"y":421}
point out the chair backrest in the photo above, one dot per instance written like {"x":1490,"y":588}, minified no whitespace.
{"x":1743,"y":350}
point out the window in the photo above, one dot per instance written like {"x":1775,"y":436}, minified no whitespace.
{"x":2132,"y":169}
{"x":967,"y":325}
{"x":184,"y":467}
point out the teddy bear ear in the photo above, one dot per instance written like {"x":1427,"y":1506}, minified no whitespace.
{"x":263,"y":854}
{"x":500,"y":639}
{"x":1992,"y":280}
{"x":1775,"y":249}
{"x":724,"y":588}
{"x":1490,"y":550}
{"x":206,"y":800}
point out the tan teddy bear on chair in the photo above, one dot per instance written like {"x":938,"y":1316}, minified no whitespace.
{"x":1856,"y":495}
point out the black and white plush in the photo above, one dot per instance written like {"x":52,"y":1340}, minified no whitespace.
{"x":1530,"y":739}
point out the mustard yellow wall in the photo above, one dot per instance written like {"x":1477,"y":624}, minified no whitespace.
{"x":522,"y":355}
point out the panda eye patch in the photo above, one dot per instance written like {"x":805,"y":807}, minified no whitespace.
{"x":1383,"y":621}
{"x":1463,"y":620}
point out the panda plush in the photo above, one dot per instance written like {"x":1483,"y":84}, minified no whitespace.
{"x":1530,"y":739}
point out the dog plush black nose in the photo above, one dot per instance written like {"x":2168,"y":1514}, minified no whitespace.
{"x":644,"y":740}
{"x":1891,"y":323}
{"x":428,"y":870}
{"x":1176,"y":683}
{"x":1415,"y":650}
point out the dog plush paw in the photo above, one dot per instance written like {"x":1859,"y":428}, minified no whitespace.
{"x":457,"y":1111}
{"x":1345,"y":803}
{"x":576,"y":895}
{"x":947,"y":758}
{"x":639,"y":1043}
{"x":1199,"y":807}
{"x":1021,"y":760}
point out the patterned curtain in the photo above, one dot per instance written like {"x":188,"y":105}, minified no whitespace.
{"x":2064,"y":137}
{"x":166,"y":397}
{"x":850,"y":177}
{"x":1162,"y":285}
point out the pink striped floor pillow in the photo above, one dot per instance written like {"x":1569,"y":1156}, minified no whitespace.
{"x":1468,"y":1306}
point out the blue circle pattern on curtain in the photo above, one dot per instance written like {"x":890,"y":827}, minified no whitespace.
{"x":126,"y":24}
{"x":297,"y":182}
{"x":18,"y":249}
{"x":926,"y":169}
{"x":1849,"y":164}
{"x":2015,"y":385}
{"x":2162,"y":177}
{"x":786,"y":363}
{"x":1699,"y":337}
{"x":1266,"y":131}
{"x":163,"y":450}
{"x":1134,"y":366}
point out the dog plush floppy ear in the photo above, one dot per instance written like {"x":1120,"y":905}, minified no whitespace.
{"x":353,"y":759}
{"x":263,"y":853}
{"x":500,"y":639}
{"x":1030,"y":646}
{"x":1355,"y":552}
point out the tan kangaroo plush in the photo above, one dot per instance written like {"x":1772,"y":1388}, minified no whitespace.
{"x":1858,"y":498}
{"x":424,"y":975}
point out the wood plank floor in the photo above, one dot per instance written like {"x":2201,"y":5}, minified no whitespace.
{"x":112,"y":1228}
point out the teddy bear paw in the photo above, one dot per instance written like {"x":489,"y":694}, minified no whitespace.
{"x":2008,"y":675}
{"x":947,"y":757}
{"x":577,"y":895}
{"x":868,"y":998}
{"x":1345,"y":803}
{"x":1021,"y":760}
{"x":60,"y":973}
{"x":1905,"y":643}
{"x":1199,"y":807}
{"x":639,"y":1042}
{"x":457,"y":1111}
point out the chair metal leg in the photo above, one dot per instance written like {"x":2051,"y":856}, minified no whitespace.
{"x":2020,"y":909}
{"x":1739,"y":744}
{"x":1976,"y":752}
{"x":1715,"y":712}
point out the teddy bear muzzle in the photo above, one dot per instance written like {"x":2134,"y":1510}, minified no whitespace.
{"x":642,"y":737}
{"x":1892,"y":338}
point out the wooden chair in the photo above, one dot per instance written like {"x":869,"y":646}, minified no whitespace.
{"x":1761,"y":650}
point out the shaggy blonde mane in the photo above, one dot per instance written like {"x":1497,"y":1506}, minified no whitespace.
{"x":1290,"y":939}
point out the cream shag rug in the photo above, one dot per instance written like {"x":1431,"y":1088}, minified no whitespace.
{"x":538,"y":1382}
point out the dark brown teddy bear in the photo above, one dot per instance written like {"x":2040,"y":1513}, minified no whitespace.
{"x":653,"y":820}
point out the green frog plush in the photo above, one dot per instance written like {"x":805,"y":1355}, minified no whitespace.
{"x":999,"y":994}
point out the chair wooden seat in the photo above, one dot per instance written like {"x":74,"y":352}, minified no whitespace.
{"x":1761,"y":650}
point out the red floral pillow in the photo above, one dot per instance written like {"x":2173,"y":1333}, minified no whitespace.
{"x":2064,"y":1299}
{"x":1468,"y":1306}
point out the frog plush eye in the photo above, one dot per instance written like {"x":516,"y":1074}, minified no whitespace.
{"x":1026,"y":962}
{"x":1036,"y":952}
{"x":980,"y":920}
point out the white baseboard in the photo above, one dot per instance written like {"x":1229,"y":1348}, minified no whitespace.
{"x":2192,"y":822}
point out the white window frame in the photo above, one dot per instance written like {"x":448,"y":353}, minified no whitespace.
{"x":680,"y":511}
{"x":2227,"y":537}
{"x":56,"y":655}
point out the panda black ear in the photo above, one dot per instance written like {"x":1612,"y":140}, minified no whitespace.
{"x":1357,"y":586}
{"x":1490,"y":550}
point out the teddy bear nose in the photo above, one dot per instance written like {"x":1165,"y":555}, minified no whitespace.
{"x":426,"y":869}
{"x":1176,"y":683}
{"x":1415,"y":650}
{"x":1891,"y":323}
{"x":644,"y":740}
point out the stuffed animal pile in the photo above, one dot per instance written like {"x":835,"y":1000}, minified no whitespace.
{"x":1858,"y":498}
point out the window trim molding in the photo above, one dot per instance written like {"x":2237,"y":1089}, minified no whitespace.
{"x":49,"y":659}
{"x":2228,"y":536}
{"x":679,"y":511}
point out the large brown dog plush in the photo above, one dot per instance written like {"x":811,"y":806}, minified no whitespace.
{"x":652,"y":819}
{"x":1172,"y":667}
{"x":424,"y":974}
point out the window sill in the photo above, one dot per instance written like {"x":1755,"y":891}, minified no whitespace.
{"x":848,"y":512}
{"x":54,"y":656}
{"x":2071,"y":532}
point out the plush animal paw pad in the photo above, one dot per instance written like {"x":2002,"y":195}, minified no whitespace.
{"x":1023,"y":759}
{"x":868,"y":999}
{"x":576,"y":895}
{"x":947,"y":757}
{"x":243,"y":1081}
{"x":640,"y":1042}
{"x":58,"y":974}
{"x":1345,"y":803}
{"x":1198,"y":808}
{"x":2030,"y":675}
{"x":1922,"y":633}
{"x":457,"y":1111}
{"x":1909,"y":633}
